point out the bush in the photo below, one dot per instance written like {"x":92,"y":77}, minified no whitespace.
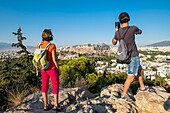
{"x":95,"y":82}
{"x":77,"y":68}
{"x":92,"y":79}
{"x":11,"y":72}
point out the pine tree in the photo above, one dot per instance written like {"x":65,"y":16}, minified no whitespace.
{"x":19,"y":43}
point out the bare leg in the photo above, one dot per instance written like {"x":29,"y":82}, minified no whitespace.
{"x":127,"y":84}
{"x":44,"y":95}
{"x":140,"y":78}
{"x":55,"y":100}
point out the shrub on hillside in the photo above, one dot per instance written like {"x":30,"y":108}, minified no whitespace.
{"x":13,"y":70}
{"x":76,"y":69}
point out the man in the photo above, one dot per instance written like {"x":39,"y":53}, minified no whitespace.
{"x":134,"y":68}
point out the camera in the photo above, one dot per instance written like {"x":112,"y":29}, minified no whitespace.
{"x":117,"y":25}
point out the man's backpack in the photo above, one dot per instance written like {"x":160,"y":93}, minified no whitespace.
{"x":123,"y":56}
{"x":40,"y":58}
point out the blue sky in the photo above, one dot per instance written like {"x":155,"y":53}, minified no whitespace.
{"x":82,"y":21}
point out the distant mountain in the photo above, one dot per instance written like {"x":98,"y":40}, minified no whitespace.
{"x":5,"y":45}
{"x":158,"y":44}
{"x":8,"y":46}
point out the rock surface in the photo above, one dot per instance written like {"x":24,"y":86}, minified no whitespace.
{"x":158,"y":102}
{"x":77,"y":100}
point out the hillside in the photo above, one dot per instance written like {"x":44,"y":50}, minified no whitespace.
{"x":8,"y":46}
{"x":158,"y":44}
{"x":5,"y":45}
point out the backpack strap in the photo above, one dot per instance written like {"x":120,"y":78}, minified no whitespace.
{"x":124,"y":34}
{"x":46,"y":48}
{"x":38,"y":46}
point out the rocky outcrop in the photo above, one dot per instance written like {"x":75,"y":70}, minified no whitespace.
{"x":109,"y":101}
{"x":150,"y":102}
{"x":68,"y":96}
{"x":77,"y":100}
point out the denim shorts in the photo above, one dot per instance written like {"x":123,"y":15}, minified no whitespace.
{"x":134,"y":66}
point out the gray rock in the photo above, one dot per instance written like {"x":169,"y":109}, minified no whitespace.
{"x":158,"y":102}
{"x":111,"y":95}
{"x":114,"y":91}
{"x":108,"y":102}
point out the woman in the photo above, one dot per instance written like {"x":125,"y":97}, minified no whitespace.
{"x":52,"y":72}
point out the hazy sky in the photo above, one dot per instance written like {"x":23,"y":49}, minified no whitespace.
{"x":83,"y":21}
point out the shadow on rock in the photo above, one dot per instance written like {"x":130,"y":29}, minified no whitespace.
{"x":167,"y":104}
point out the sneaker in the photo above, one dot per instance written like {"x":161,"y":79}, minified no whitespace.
{"x":46,"y":108}
{"x":150,"y":89}
{"x":57,"y":108}
{"x":145,"y":89}
{"x":127,"y":98}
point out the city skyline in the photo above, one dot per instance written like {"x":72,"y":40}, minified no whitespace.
{"x":82,"y":21}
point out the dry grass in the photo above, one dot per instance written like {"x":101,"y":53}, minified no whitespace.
{"x":16,"y":95}
{"x":81,"y":83}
